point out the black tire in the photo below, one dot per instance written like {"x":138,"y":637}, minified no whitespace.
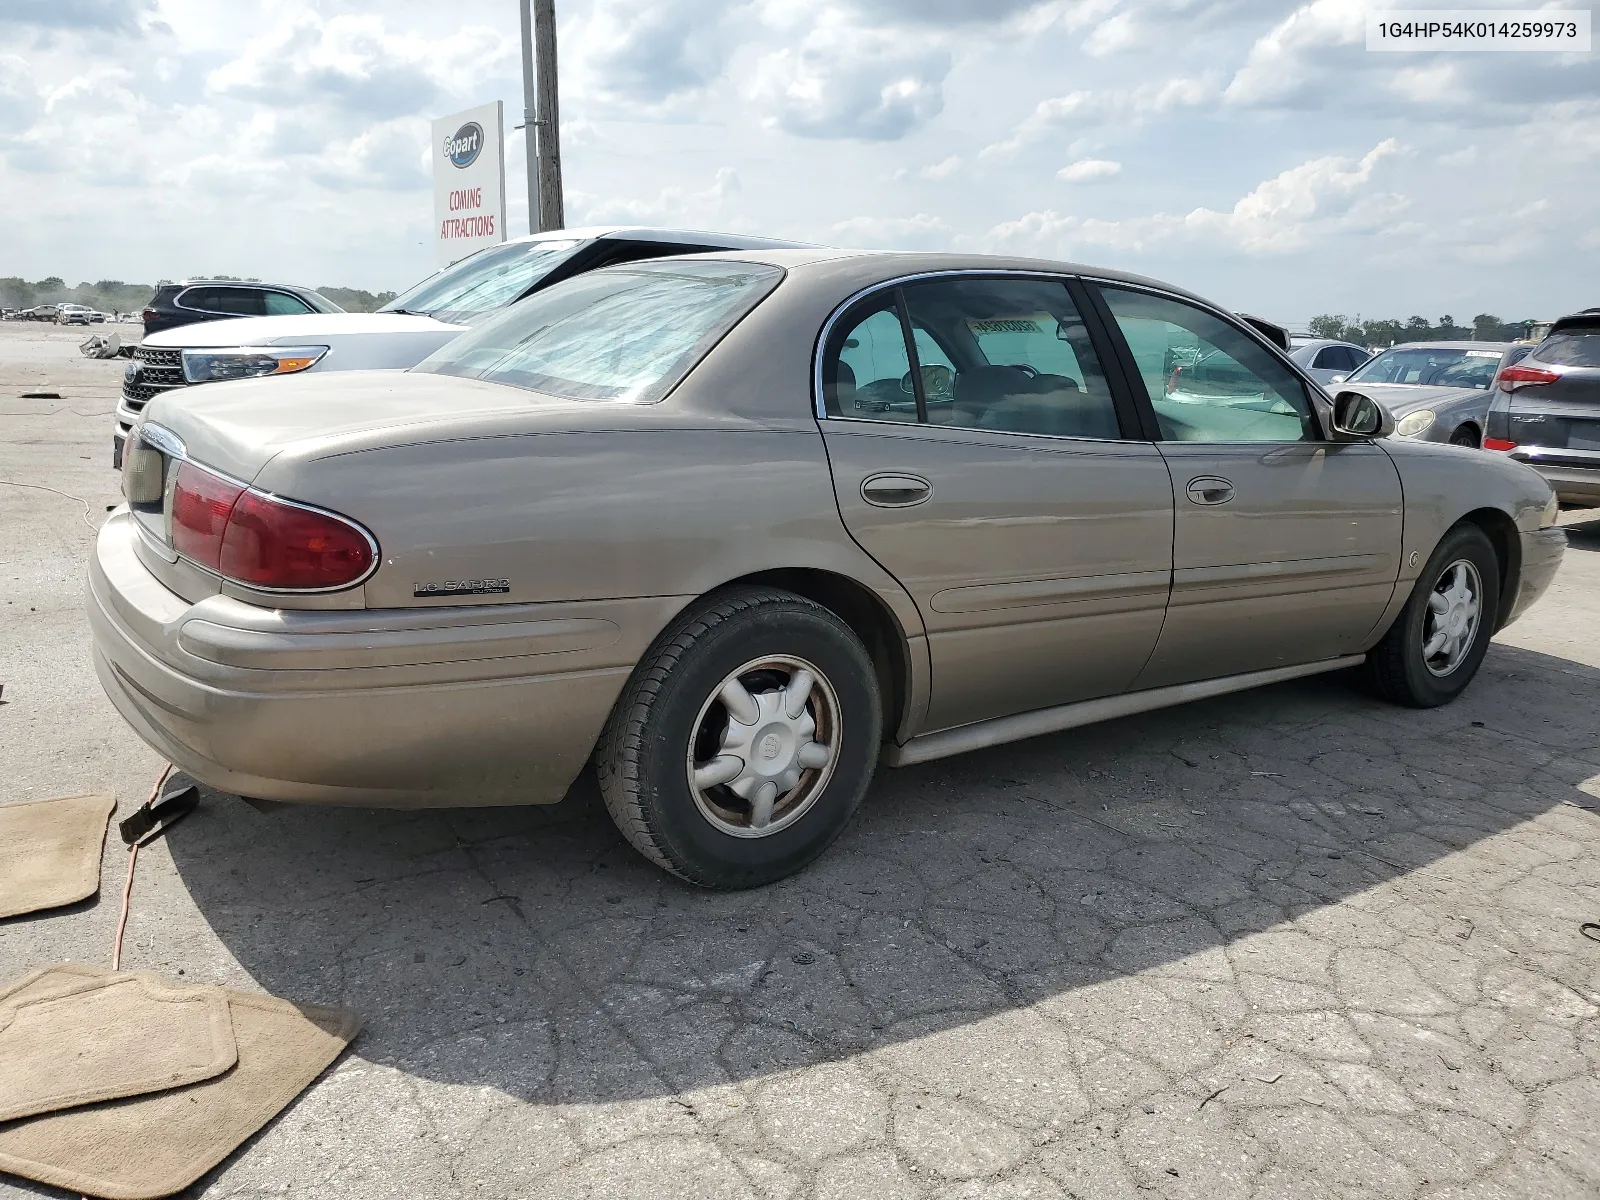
{"x":642,"y":755}
{"x":1465,"y":436}
{"x":1397,"y":667}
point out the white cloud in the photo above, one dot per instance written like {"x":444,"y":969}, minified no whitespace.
{"x":934,"y":172}
{"x":1114,"y":36}
{"x":695,"y":209}
{"x":1089,"y":170}
{"x":1278,"y":215}
{"x":1282,"y":61}
{"x":921,"y":232}
{"x":847,"y":80}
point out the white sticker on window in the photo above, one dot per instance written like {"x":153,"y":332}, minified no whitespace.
{"x":1005,"y":325}
{"x":1483,"y":354}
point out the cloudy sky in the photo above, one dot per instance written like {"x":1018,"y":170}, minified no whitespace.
{"x":1253,"y":151}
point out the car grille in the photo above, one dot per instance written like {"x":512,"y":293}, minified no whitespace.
{"x":158,"y":371}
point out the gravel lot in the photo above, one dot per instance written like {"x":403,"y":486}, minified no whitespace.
{"x":1288,"y":943}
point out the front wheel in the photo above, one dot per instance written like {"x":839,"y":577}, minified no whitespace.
{"x":744,"y":741}
{"x":1437,"y":643}
{"x":1465,"y":436}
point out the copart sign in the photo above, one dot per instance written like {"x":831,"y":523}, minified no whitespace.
{"x":469,"y":181}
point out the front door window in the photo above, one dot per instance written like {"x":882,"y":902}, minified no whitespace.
{"x":1207,"y":380}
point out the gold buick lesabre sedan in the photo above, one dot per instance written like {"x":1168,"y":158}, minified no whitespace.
{"x":738,"y":527}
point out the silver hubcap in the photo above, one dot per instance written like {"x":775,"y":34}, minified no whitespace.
{"x":1452,"y":621}
{"x":764,"y":746}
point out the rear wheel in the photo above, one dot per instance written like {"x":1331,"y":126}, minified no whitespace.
{"x":1437,"y":643}
{"x":1467,"y":435}
{"x":744,"y":741}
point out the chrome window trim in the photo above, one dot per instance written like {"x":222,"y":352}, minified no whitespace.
{"x":180,"y":455}
{"x":819,"y":406}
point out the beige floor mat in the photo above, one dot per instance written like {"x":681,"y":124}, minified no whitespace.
{"x":82,"y":1040}
{"x":50,"y":851}
{"x":156,"y":1145}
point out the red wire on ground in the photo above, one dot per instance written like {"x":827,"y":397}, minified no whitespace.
{"x":127,"y":886}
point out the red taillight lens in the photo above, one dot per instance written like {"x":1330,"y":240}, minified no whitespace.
{"x":1521,"y":376}
{"x":147,"y":314}
{"x":201,"y":503}
{"x":261,"y":541}
{"x":1494,"y":443}
{"x":271,"y":544}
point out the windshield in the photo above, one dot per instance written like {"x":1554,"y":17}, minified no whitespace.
{"x":626,"y":334}
{"x":483,"y":282}
{"x":319,"y":302}
{"x":1419,"y":366}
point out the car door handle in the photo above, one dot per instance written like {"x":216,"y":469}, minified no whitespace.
{"x":1210,"y":489}
{"x":895,"y":490}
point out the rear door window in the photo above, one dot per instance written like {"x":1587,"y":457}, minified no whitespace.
{"x":238,"y":302}
{"x":1019,"y":358}
{"x":282,"y":304}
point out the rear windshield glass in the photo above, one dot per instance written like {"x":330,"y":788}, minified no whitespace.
{"x":483,"y":282}
{"x":1580,"y":348}
{"x":1432,"y":368}
{"x":625,"y":334}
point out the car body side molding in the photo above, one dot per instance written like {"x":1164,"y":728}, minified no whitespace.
{"x":1087,"y":712}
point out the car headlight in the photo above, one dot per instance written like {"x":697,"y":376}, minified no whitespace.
{"x":1415,"y":423}
{"x":245,"y":362}
{"x":1552,"y":512}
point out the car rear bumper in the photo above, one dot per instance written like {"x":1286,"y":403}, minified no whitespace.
{"x":1575,"y":474}
{"x":450,"y":706}
{"x":1541,"y":557}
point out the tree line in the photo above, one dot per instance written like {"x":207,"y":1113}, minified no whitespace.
{"x":113,"y":295}
{"x":1379,"y":333}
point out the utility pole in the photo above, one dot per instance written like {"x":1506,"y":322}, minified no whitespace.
{"x":552,"y":210}
{"x":541,"y":116}
{"x":530,"y":120}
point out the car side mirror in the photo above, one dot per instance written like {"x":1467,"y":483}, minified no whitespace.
{"x":1358,"y":416}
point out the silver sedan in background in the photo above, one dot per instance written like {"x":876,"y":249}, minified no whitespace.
{"x":1324,"y":358}
{"x":1436,"y":391}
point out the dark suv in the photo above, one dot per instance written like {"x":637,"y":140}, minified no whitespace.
{"x":176,"y":304}
{"x":1546,"y":408}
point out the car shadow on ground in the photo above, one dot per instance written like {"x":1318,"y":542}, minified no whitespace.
{"x":532,"y":951}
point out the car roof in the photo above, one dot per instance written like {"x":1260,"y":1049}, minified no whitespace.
{"x":1584,"y":319}
{"x":249,"y":283}
{"x":1502,"y":347}
{"x":891,"y":264}
{"x":652,"y":233}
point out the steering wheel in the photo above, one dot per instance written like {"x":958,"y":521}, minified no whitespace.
{"x":1031,"y":372}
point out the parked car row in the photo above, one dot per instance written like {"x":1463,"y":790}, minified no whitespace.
{"x":61,"y":314}
{"x":737,"y":526}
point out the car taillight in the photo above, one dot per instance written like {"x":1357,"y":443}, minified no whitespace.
{"x":147,"y":315}
{"x":1494,"y":443}
{"x":1522,"y":375}
{"x":261,"y":541}
{"x":201,"y":503}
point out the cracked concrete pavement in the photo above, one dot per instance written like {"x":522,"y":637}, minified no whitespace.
{"x":1286,"y":943}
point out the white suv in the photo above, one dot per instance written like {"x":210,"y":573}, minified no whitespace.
{"x":407,"y":329}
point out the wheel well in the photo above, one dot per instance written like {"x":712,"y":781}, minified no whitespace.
{"x":1502,"y":534}
{"x":867,"y":615}
{"x":1477,"y":430}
